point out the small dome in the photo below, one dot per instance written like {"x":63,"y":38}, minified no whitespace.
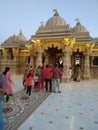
{"x":79,"y":27}
{"x":56,"y":20}
{"x":14,"y":41}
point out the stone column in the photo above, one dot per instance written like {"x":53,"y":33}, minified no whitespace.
{"x":16,"y":60}
{"x":15,"y":53}
{"x":46,"y":59}
{"x":39,"y":58}
{"x":5,"y":54}
{"x":66,"y":64}
{"x":39,"y":52}
{"x":32,"y":60}
{"x":87,"y":64}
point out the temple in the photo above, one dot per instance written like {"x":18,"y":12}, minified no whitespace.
{"x":53,"y":42}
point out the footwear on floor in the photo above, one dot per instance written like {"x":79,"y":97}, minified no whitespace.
{"x":59,"y":91}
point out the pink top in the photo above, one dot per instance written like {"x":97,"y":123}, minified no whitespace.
{"x":9,"y":84}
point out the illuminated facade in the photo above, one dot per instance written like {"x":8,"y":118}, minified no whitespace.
{"x":53,"y":42}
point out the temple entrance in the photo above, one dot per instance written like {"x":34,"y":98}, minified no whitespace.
{"x":77,"y":63}
{"x":54,"y":55}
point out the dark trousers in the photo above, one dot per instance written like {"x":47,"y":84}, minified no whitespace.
{"x":48,"y":81}
{"x":24,"y":84}
{"x":29,"y":90}
{"x":35,"y":85}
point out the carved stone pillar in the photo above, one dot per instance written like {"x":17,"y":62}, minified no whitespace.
{"x":15,"y":53}
{"x":46,"y":59}
{"x":66,"y":64}
{"x":4,"y":54}
{"x":39,"y":58}
{"x":87,"y":65}
{"x":16,"y":60}
{"x":39,"y":52}
{"x":32,"y":60}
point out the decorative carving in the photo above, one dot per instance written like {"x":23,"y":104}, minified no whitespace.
{"x":66,"y":66}
{"x":87,"y":63}
{"x":15,"y":50}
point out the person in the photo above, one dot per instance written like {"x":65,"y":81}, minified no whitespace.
{"x":3,"y":88}
{"x":78,"y":74}
{"x":24,"y":78}
{"x":47,"y":73}
{"x":29,"y":83}
{"x":42,"y":77}
{"x":9,"y":81}
{"x":38,"y":70}
{"x":70,"y":73}
{"x":56,"y":75}
{"x":35,"y":81}
{"x":31,"y":71}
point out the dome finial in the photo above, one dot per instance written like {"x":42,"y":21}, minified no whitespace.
{"x":55,"y":12}
{"x":20,"y":32}
{"x":41,"y":23}
{"x":77,"y":21}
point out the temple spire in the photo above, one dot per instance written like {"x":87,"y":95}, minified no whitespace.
{"x":55,"y":12}
{"x":77,"y":21}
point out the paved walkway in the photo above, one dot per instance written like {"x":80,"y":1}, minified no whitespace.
{"x":76,"y":108}
{"x":21,"y":106}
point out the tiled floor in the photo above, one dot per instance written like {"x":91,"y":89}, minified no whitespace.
{"x":76,"y":108}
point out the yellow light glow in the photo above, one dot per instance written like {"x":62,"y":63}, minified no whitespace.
{"x":33,"y":41}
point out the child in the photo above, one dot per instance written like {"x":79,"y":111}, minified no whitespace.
{"x":29,"y":83}
{"x":35,"y":81}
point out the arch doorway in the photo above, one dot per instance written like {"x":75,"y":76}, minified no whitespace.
{"x":53,"y":55}
{"x":77,"y":62}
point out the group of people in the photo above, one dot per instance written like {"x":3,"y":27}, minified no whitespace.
{"x":42,"y":77}
{"x":52,"y":73}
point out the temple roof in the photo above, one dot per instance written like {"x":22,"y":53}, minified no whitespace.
{"x":78,"y":27}
{"x":21,"y":36}
{"x":56,"y":20}
{"x":15,"y":41}
{"x":55,"y":27}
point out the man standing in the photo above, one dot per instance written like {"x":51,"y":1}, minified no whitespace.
{"x":3,"y":87}
{"x":47,"y":72}
{"x":56,"y":75}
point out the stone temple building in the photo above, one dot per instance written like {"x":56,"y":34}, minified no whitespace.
{"x":53,"y":42}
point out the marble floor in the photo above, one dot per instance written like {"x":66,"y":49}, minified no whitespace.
{"x":76,"y":108}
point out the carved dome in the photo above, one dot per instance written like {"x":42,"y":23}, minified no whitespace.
{"x":78,"y":27}
{"x":56,"y":20}
{"x":15,"y":41}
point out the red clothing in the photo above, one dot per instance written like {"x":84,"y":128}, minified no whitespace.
{"x":47,"y":72}
{"x":25,"y":75}
{"x":29,"y":81}
{"x":42,"y":75}
{"x":56,"y":72}
{"x":31,"y":72}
